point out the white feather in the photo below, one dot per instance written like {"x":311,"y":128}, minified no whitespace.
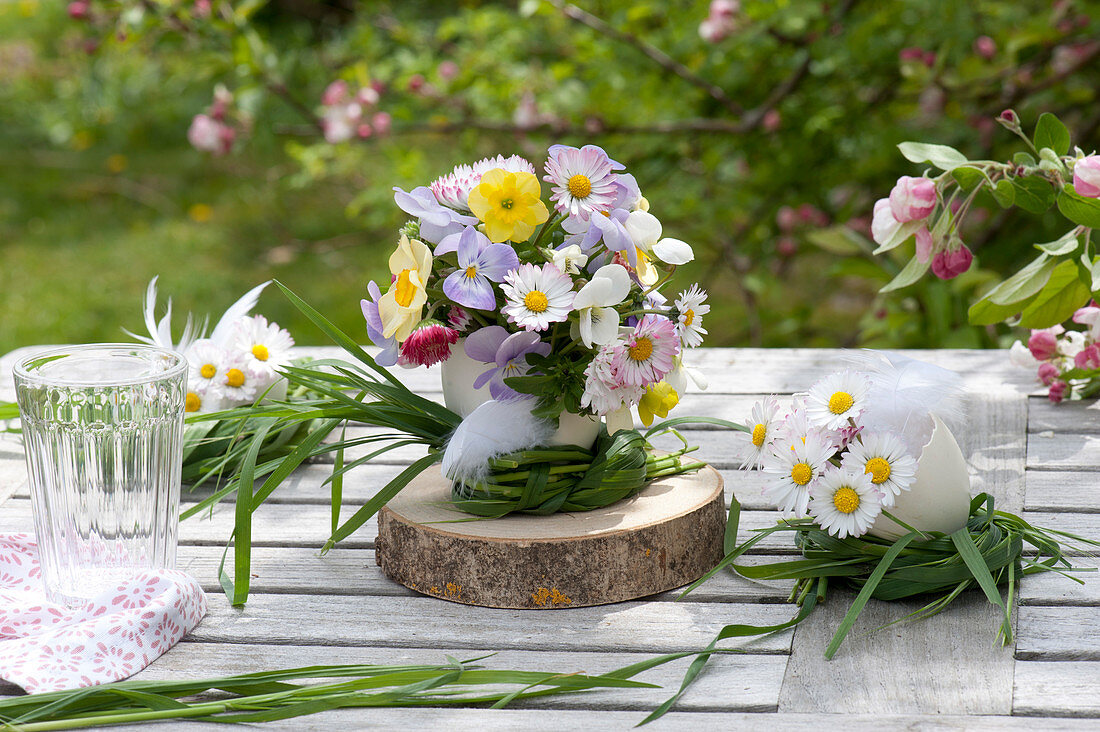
{"x":493,"y":429}
{"x":235,"y":312}
{"x":905,"y":393}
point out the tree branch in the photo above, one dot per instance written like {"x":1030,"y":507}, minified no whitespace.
{"x":656,"y":55}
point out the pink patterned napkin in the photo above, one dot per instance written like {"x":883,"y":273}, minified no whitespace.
{"x":48,"y":647}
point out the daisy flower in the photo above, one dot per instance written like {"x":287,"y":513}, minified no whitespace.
{"x":604,"y":391}
{"x":882,"y":456}
{"x":647,"y":353}
{"x":837,"y":398}
{"x":689,"y":324}
{"x":537,"y":297}
{"x":206,"y":361}
{"x":845,"y":502}
{"x":238,"y":384}
{"x":582,"y":181}
{"x":196,"y":402}
{"x":795,"y":465}
{"x":264,"y":346}
{"x":763,"y":425}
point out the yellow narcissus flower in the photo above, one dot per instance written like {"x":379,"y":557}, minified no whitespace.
{"x":658,"y":400}
{"x":401,"y":307}
{"x":508,"y":204}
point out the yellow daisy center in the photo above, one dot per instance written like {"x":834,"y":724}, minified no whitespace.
{"x":689,"y":316}
{"x":879,"y":469}
{"x":802,"y":473}
{"x":234,"y":378}
{"x":192,"y":402}
{"x":471,"y":272}
{"x":579,"y":186}
{"x":208,"y":371}
{"x":759,"y":432}
{"x":404,"y":289}
{"x":846,"y":500}
{"x":260,"y":352}
{"x":641,"y":350}
{"x":536,"y":302}
{"x":841,"y":402}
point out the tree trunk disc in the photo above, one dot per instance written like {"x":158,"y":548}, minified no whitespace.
{"x":664,"y":537}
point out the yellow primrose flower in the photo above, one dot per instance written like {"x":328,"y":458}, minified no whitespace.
{"x":401,"y":307}
{"x":509,"y":204}
{"x":647,"y":273}
{"x":658,"y":400}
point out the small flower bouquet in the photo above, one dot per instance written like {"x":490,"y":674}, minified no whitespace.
{"x":877,"y":492}
{"x":545,"y":323}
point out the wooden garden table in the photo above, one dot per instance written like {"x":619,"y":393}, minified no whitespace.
{"x":946,"y":672}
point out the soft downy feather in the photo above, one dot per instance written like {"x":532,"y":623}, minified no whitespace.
{"x":905,"y":393}
{"x":495,"y":428}
{"x":235,"y":312}
{"x":160,"y":333}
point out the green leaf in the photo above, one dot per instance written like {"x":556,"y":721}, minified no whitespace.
{"x":1025,"y":283}
{"x":1004,"y":193}
{"x":1033,"y":194}
{"x":1078,"y":209}
{"x":1063,"y":246}
{"x":970,"y":178}
{"x":839,"y":240}
{"x":1057,"y":301}
{"x":942,"y":156}
{"x":1050,"y":132}
{"x":964,"y":543}
{"x":904,"y":231}
{"x":910,"y":274}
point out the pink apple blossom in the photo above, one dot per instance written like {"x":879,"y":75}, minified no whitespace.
{"x":924,"y":244}
{"x":78,"y":9}
{"x":1057,"y":391}
{"x":209,"y":135}
{"x":1043,"y":344}
{"x":985,"y":47}
{"x":883,"y":224}
{"x":1086,"y":176}
{"x":1088,"y":357}
{"x":334,"y":93}
{"x":447,"y":70}
{"x":949,"y":264}
{"x":912,"y":198}
{"x":381,"y":123}
{"x":1048,"y":373}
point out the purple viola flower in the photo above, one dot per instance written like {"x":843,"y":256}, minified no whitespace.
{"x":390,"y":347}
{"x":609,"y":228}
{"x":480,"y":263}
{"x":507,"y":353}
{"x":436,"y":220}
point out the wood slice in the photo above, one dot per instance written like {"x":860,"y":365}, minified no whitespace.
{"x":666,"y":536}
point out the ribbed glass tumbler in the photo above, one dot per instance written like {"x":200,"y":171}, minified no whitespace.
{"x":102,"y":431}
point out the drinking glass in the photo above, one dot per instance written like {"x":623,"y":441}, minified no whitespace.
{"x":102,"y":431}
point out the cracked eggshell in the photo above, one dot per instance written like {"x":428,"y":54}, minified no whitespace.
{"x":939,"y":499}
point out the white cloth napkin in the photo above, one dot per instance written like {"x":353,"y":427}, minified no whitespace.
{"x":49,"y":647}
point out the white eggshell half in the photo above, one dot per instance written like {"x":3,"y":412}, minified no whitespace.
{"x":939,"y":499}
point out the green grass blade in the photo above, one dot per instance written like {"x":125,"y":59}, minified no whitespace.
{"x":974,"y":561}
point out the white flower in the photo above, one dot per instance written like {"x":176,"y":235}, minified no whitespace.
{"x":236,"y":383}
{"x":682,"y":373}
{"x":263,"y":347}
{"x":537,"y":297}
{"x":845,"y":502}
{"x":599,"y":320}
{"x":692,"y":307}
{"x":761,"y":433}
{"x":1020,"y":355}
{"x":795,"y":465}
{"x":570,"y":259}
{"x":207,"y":361}
{"x":837,"y":398}
{"x":341,"y":121}
{"x":200,"y":403}
{"x":1071,"y":343}
{"x":645,"y":229}
{"x":604,"y":391}
{"x":882,"y":456}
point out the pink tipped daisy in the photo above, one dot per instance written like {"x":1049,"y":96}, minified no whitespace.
{"x":582,"y":181}
{"x":427,"y":345}
{"x":648,"y":352}
{"x":537,"y":297}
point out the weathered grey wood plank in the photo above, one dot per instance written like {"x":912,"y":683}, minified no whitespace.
{"x":1058,"y":634}
{"x":541,"y":720}
{"x":1079,"y":416}
{"x":1063,"y":451}
{"x":737,"y":682}
{"x":353,"y":572}
{"x":422,"y":622}
{"x":947,"y":665}
{"x":1050,"y":588}
{"x":1062,"y":689}
{"x":1062,"y":490}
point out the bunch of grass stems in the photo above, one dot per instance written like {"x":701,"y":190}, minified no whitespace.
{"x":273,"y":695}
